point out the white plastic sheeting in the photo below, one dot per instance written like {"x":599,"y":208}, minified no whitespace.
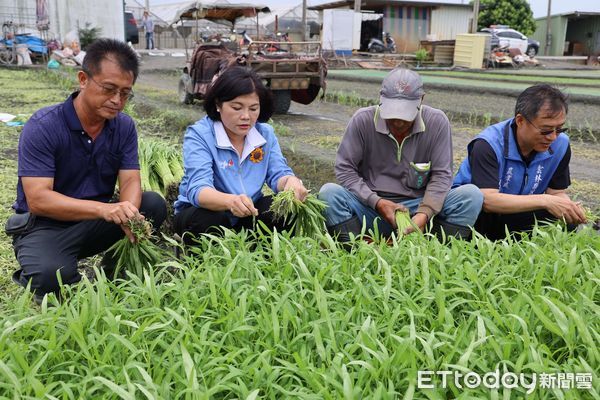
{"x":341,"y":30}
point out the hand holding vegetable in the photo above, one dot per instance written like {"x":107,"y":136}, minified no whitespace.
{"x":242,"y":206}
{"x":306,"y":217}
{"x":128,"y":233}
{"x":137,"y":254}
{"x":119,"y":213}
{"x":295,"y":184}
{"x":407,"y":225}
{"x":387,"y":209}
{"x":419,"y":221}
{"x":562,"y":207}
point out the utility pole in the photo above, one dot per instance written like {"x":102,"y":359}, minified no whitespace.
{"x":357,"y":5}
{"x":257,"y":27}
{"x":475,"y":16}
{"x":148,"y":5}
{"x":548,"y":29}
{"x":304,"y":35}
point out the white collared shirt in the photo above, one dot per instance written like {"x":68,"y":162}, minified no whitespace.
{"x":252,"y":140}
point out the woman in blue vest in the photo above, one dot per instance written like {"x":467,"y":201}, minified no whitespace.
{"x":228,"y":156}
{"x":521,"y":166}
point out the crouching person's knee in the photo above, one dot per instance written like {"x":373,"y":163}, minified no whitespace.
{"x":330,"y":192}
{"x":473,"y":198}
{"x":464,"y":205}
{"x":154,"y":208}
{"x":49,"y":277}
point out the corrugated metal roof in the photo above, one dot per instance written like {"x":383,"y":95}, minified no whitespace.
{"x":573,"y":14}
{"x":217,"y":11}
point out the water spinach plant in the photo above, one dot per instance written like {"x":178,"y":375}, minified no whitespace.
{"x":262,"y":315}
{"x":139,"y":255}
{"x":304,"y":217}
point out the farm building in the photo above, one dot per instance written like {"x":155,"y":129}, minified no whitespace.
{"x":410,"y":22}
{"x":573,"y":33}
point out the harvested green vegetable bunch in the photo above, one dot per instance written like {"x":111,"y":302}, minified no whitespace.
{"x":144,"y":157}
{"x":135,"y":257}
{"x":176,"y":164}
{"x":305,"y":218}
{"x":403,"y":221}
{"x":593,"y":218}
{"x":160,"y":165}
{"x":590,"y":215}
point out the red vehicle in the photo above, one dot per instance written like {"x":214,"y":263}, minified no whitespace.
{"x":131,"y":29}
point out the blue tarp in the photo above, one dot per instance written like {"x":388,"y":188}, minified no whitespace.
{"x":33,"y":43}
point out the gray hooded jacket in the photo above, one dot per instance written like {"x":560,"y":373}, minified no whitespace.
{"x":372,"y":165}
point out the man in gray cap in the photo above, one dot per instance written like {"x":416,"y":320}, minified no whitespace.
{"x":397,"y":156}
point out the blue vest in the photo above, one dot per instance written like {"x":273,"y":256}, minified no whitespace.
{"x":514,"y":176}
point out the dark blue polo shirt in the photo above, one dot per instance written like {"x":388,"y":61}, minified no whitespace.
{"x":53,"y":144}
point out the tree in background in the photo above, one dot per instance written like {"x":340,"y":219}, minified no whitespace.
{"x":515,"y":13}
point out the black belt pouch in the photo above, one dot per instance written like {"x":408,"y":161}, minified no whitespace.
{"x":19,"y":223}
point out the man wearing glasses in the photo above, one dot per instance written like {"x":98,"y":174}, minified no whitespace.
{"x":522,"y":166}
{"x":71,"y":155}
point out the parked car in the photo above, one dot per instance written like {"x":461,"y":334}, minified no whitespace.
{"x":509,"y":37}
{"x":131,"y":29}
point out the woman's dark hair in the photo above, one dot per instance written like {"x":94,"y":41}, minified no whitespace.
{"x":234,"y":82}
{"x":120,"y":52}
{"x":534,"y":98}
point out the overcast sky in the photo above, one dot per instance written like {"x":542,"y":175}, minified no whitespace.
{"x":539,"y":7}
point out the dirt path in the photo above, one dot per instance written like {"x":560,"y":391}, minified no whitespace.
{"x":313,"y":131}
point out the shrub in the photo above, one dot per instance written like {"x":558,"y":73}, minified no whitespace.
{"x":88,"y":34}
{"x":421,"y":55}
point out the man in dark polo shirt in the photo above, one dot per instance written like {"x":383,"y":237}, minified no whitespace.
{"x":522,"y":166}
{"x":397,"y":156}
{"x":70,"y":157}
